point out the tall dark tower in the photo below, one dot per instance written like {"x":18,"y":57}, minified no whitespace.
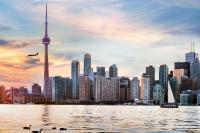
{"x":46,"y":42}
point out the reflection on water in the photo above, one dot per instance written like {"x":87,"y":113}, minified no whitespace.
{"x":79,"y":118}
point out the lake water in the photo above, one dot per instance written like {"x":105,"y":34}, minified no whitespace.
{"x":94,"y":118}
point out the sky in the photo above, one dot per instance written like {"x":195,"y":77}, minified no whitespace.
{"x":132,"y":34}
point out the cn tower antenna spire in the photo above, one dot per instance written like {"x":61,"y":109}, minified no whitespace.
{"x":46,"y":23}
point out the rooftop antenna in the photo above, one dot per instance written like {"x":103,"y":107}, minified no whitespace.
{"x":191,"y":47}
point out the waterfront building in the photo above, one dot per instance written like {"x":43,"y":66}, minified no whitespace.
{"x":84,"y":88}
{"x":106,"y":89}
{"x":135,"y":89}
{"x":87,"y":64}
{"x":189,"y":97}
{"x":184,"y":98}
{"x":99,"y":85}
{"x":175,"y":86}
{"x":23,"y":90}
{"x":158,"y":93}
{"x":60,"y":88}
{"x":36,"y":89}
{"x":145,"y":88}
{"x":195,"y":72}
{"x":113,"y":71}
{"x":75,"y":74}
{"x":124,"y":89}
{"x":150,"y":70}
{"x":101,"y":71}
{"x":68,"y":88}
{"x":163,"y":78}
{"x":2,"y":94}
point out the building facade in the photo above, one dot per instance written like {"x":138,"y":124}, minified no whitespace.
{"x":75,"y":74}
{"x":87,"y":64}
{"x":84,"y":88}
{"x":145,"y":88}
{"x":36,"y":89}
{"x":135,"y":89}
{"x":60,"y":88}
{"x":150,"y":70}
{"x":107,"y":89}
{"x":163,"y":78}
{"x":158,"y":94}
{"x":101,"y":71}
{"x":124,"y":89}
{"x":113,"y":71}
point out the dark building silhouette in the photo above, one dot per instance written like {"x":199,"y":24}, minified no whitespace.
{"x":36,"y":89}
{"x":124,"y":91}
{"x":183,"y":65}
{"x":150,"y":70}
{"x":101,"y":71}
{"x":113,"y":71}
{"x":163,"y":78}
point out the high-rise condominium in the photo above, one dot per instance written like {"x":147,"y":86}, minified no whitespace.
{"x":145,"y":88}
{"x":87,"y":64}
{"x":101,"y":71}
{"x":135,"y":89}
{"x":84,"y":88}
{"x":163,"y":78}
{"x":113,"y":71}
{"x":150,"y":70}
{"x":75,"y":73}
{"x":61,"y":88}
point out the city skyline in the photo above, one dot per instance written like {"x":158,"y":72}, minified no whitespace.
{"x":71,"y":40}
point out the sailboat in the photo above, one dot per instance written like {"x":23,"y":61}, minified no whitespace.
{"x":171,"y":101}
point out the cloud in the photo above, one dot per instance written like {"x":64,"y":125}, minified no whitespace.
{"x":16,"y":44}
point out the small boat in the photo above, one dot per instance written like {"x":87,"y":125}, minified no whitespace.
{"x":171,"y":101}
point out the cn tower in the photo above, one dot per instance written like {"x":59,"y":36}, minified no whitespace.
{"x":46,"y":42}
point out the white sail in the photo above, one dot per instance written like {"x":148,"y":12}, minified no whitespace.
{"x":170,"y":94}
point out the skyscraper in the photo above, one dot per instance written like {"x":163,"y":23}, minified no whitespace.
{"x":183,"y":65}
{"x":158,"y":93}
{"x":191,"y":56}
{"x":135,"y":89}
{"x":113,"y":71}
{"x":59,"y":86}
{"x":84,"y":88}
{"x":195,"y":72}
{"x":163,"y":78}
{"x":145,"y":88}
{"x":46,"y":42}
{"x":75,"y":74}
{"x":87,"y":64}
{"x":124,"y":91}
{"x":150,"y":70}
{"x":101,"y":71}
